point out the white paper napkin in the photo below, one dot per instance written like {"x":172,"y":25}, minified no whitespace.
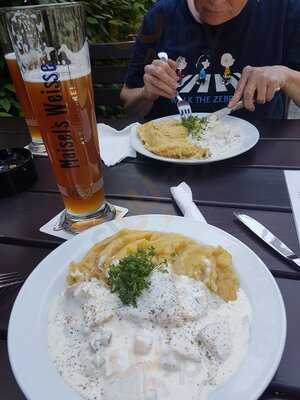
{"x":115,"y":145}
{"x":183,"y":197}
{"x":293,"y":184}
{"x":49,"y":227}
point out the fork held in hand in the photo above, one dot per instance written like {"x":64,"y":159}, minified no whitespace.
{"x":183,"y":106}
{"x":10,"y":279}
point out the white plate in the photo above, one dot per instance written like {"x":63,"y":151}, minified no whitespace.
{"x":27,"y":333}
{"x":249,"y":138}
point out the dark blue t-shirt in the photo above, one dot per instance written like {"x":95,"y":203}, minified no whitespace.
{"x":265,"y":33}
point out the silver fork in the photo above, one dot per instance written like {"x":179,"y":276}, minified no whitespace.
{"x":10,"y":279}
{"x":183,"y":106}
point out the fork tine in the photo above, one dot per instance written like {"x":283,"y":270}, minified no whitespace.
{"x":6,"y":274}
{"x":184,"y":108}
{"x":4,"y":285}
{"x":188,"y":108}
{"x":10,"y":279}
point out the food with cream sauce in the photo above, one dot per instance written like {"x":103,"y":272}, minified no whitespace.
{"x":210,"y":264}
{"x":190,"y":138}
{"x":180,"y":340}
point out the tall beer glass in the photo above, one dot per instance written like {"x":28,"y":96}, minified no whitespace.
{"x":37,"y":144}
{"x":53,"y":55}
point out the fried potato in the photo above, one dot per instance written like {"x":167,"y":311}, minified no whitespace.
{"x":170,"y":139}
{"x":212,"y":265}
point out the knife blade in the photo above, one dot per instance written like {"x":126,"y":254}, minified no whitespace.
{"x":268,"y":237}
{"x":225,"y":111}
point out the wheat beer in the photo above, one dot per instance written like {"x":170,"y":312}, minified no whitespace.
{"x":22,"y":95}
{"x":65,"y":108}
{"x":10,"y":57}
{"x":53,"y":55}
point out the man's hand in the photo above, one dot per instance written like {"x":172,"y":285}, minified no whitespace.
{"x":160,"y":79}
{"x":258,"y":85}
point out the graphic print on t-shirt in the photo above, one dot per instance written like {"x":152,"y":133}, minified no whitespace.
{"x":227,"y":61}
{"x":202,"y":65}
{"x":204,"y":87}
{"x":181,"y":64}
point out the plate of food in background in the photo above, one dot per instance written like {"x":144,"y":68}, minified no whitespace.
{"x":148,"y":307}
{"x":197,"y":139}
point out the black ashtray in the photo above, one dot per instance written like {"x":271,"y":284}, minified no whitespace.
{"x":17,"y":170}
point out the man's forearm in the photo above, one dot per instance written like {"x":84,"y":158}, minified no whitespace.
{"x":291,"y":86}
{"x":135,"y":102}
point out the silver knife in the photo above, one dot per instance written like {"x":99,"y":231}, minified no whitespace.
{"x":268,"y":237}
{"x":226,"y":111}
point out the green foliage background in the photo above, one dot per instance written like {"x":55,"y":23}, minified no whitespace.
{"x":107,"y":21}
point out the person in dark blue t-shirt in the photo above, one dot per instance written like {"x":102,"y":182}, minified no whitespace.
{"x":220,"y":51}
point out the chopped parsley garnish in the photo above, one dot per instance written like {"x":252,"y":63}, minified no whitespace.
{"x":195,"y":125}
{"x":131,"y":275}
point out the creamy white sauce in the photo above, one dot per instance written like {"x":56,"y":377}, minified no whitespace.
{"x":181,"y":341}
{"x":219,"y":137}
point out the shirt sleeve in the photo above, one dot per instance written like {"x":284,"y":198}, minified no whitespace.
{"x":145,"y":47}
{"x":292,"y":59}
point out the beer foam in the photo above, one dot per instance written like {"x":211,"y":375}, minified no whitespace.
{"x":76,"y":57}
{"x":65,"y":72}
{"x":10,"y":56}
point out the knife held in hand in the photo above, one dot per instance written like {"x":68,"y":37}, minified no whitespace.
{"x":225,"y":111}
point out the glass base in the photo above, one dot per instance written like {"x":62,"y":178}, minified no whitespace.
{"x":76,"y":224}
{"x":37,"y":148}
